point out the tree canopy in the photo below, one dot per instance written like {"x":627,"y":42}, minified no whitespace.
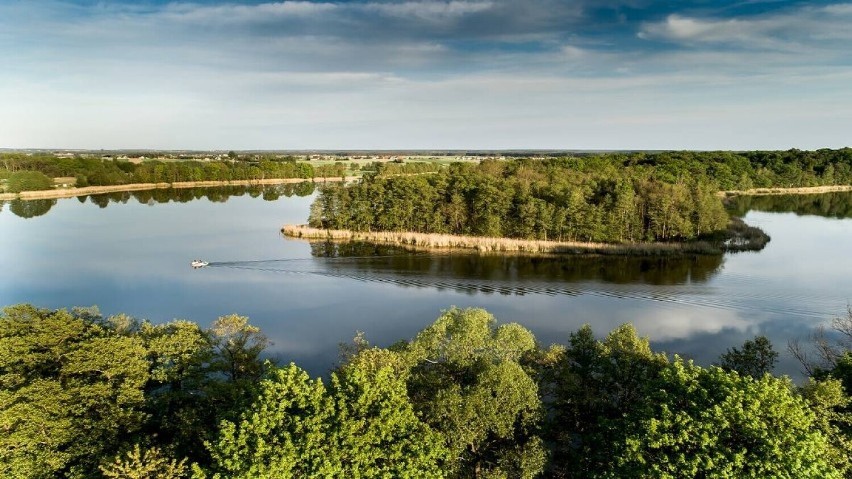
{"x":19,"y":181}
{"x":77,"y":389}
{"x":617,"y":197}
{"x":755,"y":358}
{"x":361,"y":426}
{"x":86,"y":396}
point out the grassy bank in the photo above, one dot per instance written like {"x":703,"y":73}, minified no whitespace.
{"x":94,"y":190}
{"x":485,"y":245}
{"x":805,"y":190}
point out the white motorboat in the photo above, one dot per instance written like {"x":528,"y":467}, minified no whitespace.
{"x":197,"y":263}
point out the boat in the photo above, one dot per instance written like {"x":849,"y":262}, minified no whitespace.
{"x":197,"y":263}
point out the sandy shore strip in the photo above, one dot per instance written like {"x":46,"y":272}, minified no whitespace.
{"x":95,"y":190}
{"x":804,"y":190}
{"x":433,"y":241}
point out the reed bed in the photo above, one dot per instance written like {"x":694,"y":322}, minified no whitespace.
{"x":435,"y":241}
{"x":803,"y":190}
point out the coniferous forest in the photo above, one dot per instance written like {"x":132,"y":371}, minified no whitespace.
{"x":87,"y":396}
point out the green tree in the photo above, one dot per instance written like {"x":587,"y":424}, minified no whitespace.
{"x":183,"y":397}
{"x":28,"y":181}
{"x":379,"y":433}
{"x":70,"y":390}
{"x":830,"y":404}
{"x":621,"y":410}
{"x":362,"y":426}
{"x":283,"y":434}
{"x":595,"y":385}
{"x":701,"y":422}
{"x":145,"y":464}
{"x":755,"y":358}
{"x":238,"y":345}
{"x":468,"y":381}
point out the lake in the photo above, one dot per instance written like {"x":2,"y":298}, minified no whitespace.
{"x":130,"y":253}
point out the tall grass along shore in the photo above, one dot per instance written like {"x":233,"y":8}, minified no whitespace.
{"x":804,"y":190}
{"x":485,"y":245}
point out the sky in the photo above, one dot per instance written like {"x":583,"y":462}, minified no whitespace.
{"x":426,"y":74}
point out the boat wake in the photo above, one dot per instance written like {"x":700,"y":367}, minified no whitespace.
{"x":732,"y":297}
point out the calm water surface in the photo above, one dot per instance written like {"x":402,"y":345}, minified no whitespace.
{"x":131,"y":253}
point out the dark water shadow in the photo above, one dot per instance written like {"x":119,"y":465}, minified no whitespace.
{"x":504,"y":275}
{"x":30,"y":208}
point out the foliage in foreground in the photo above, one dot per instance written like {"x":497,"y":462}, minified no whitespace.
{"x":87,"y":396}
{"x":361,"y":426}
{"x":77,"y":388}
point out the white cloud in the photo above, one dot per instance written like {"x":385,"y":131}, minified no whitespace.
{"x":573,"y":53}
{"x":795,"y":30}
{"x":839,"y":9}
{"x":679,"y":28}
{"x":230,"y":14}
{"x":431,"y":11}
{"x":330,"y":78}
{"x":664,"y":324}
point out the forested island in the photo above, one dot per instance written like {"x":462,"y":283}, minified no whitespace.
{"x":610,"y":198}
{"x":90,"y":396}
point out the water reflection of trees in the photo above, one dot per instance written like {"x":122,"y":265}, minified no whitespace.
{"x":829,"y":205}
{"x":221,"y":194}
{"x":30,"y":208}
{"x":218,"y":194}
{"x":509,"y":274}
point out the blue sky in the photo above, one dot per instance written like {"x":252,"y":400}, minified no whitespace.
{"x":378,"y":74}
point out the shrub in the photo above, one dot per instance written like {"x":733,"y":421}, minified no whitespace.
{"x":28,"y":181}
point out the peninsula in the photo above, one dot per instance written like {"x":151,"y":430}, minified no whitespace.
{"x":639,"y":203}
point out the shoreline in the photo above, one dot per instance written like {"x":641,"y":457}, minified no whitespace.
{"x":800,"y":190}
{"x":95,"y":190}
{"x":490,"y":245}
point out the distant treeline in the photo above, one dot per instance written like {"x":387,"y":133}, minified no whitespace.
{"x":34,"y":172}
{"x":83,"y":396}
{"x":605,"y":198}
{"x":745,"y":170}
{"x":98,"y":172}
{"x":399,"y":168}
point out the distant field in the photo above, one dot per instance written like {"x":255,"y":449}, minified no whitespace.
{"x":355,"y":165}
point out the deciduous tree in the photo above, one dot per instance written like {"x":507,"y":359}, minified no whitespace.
{"x":755,"y":358}
{"x":468,"y":381}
